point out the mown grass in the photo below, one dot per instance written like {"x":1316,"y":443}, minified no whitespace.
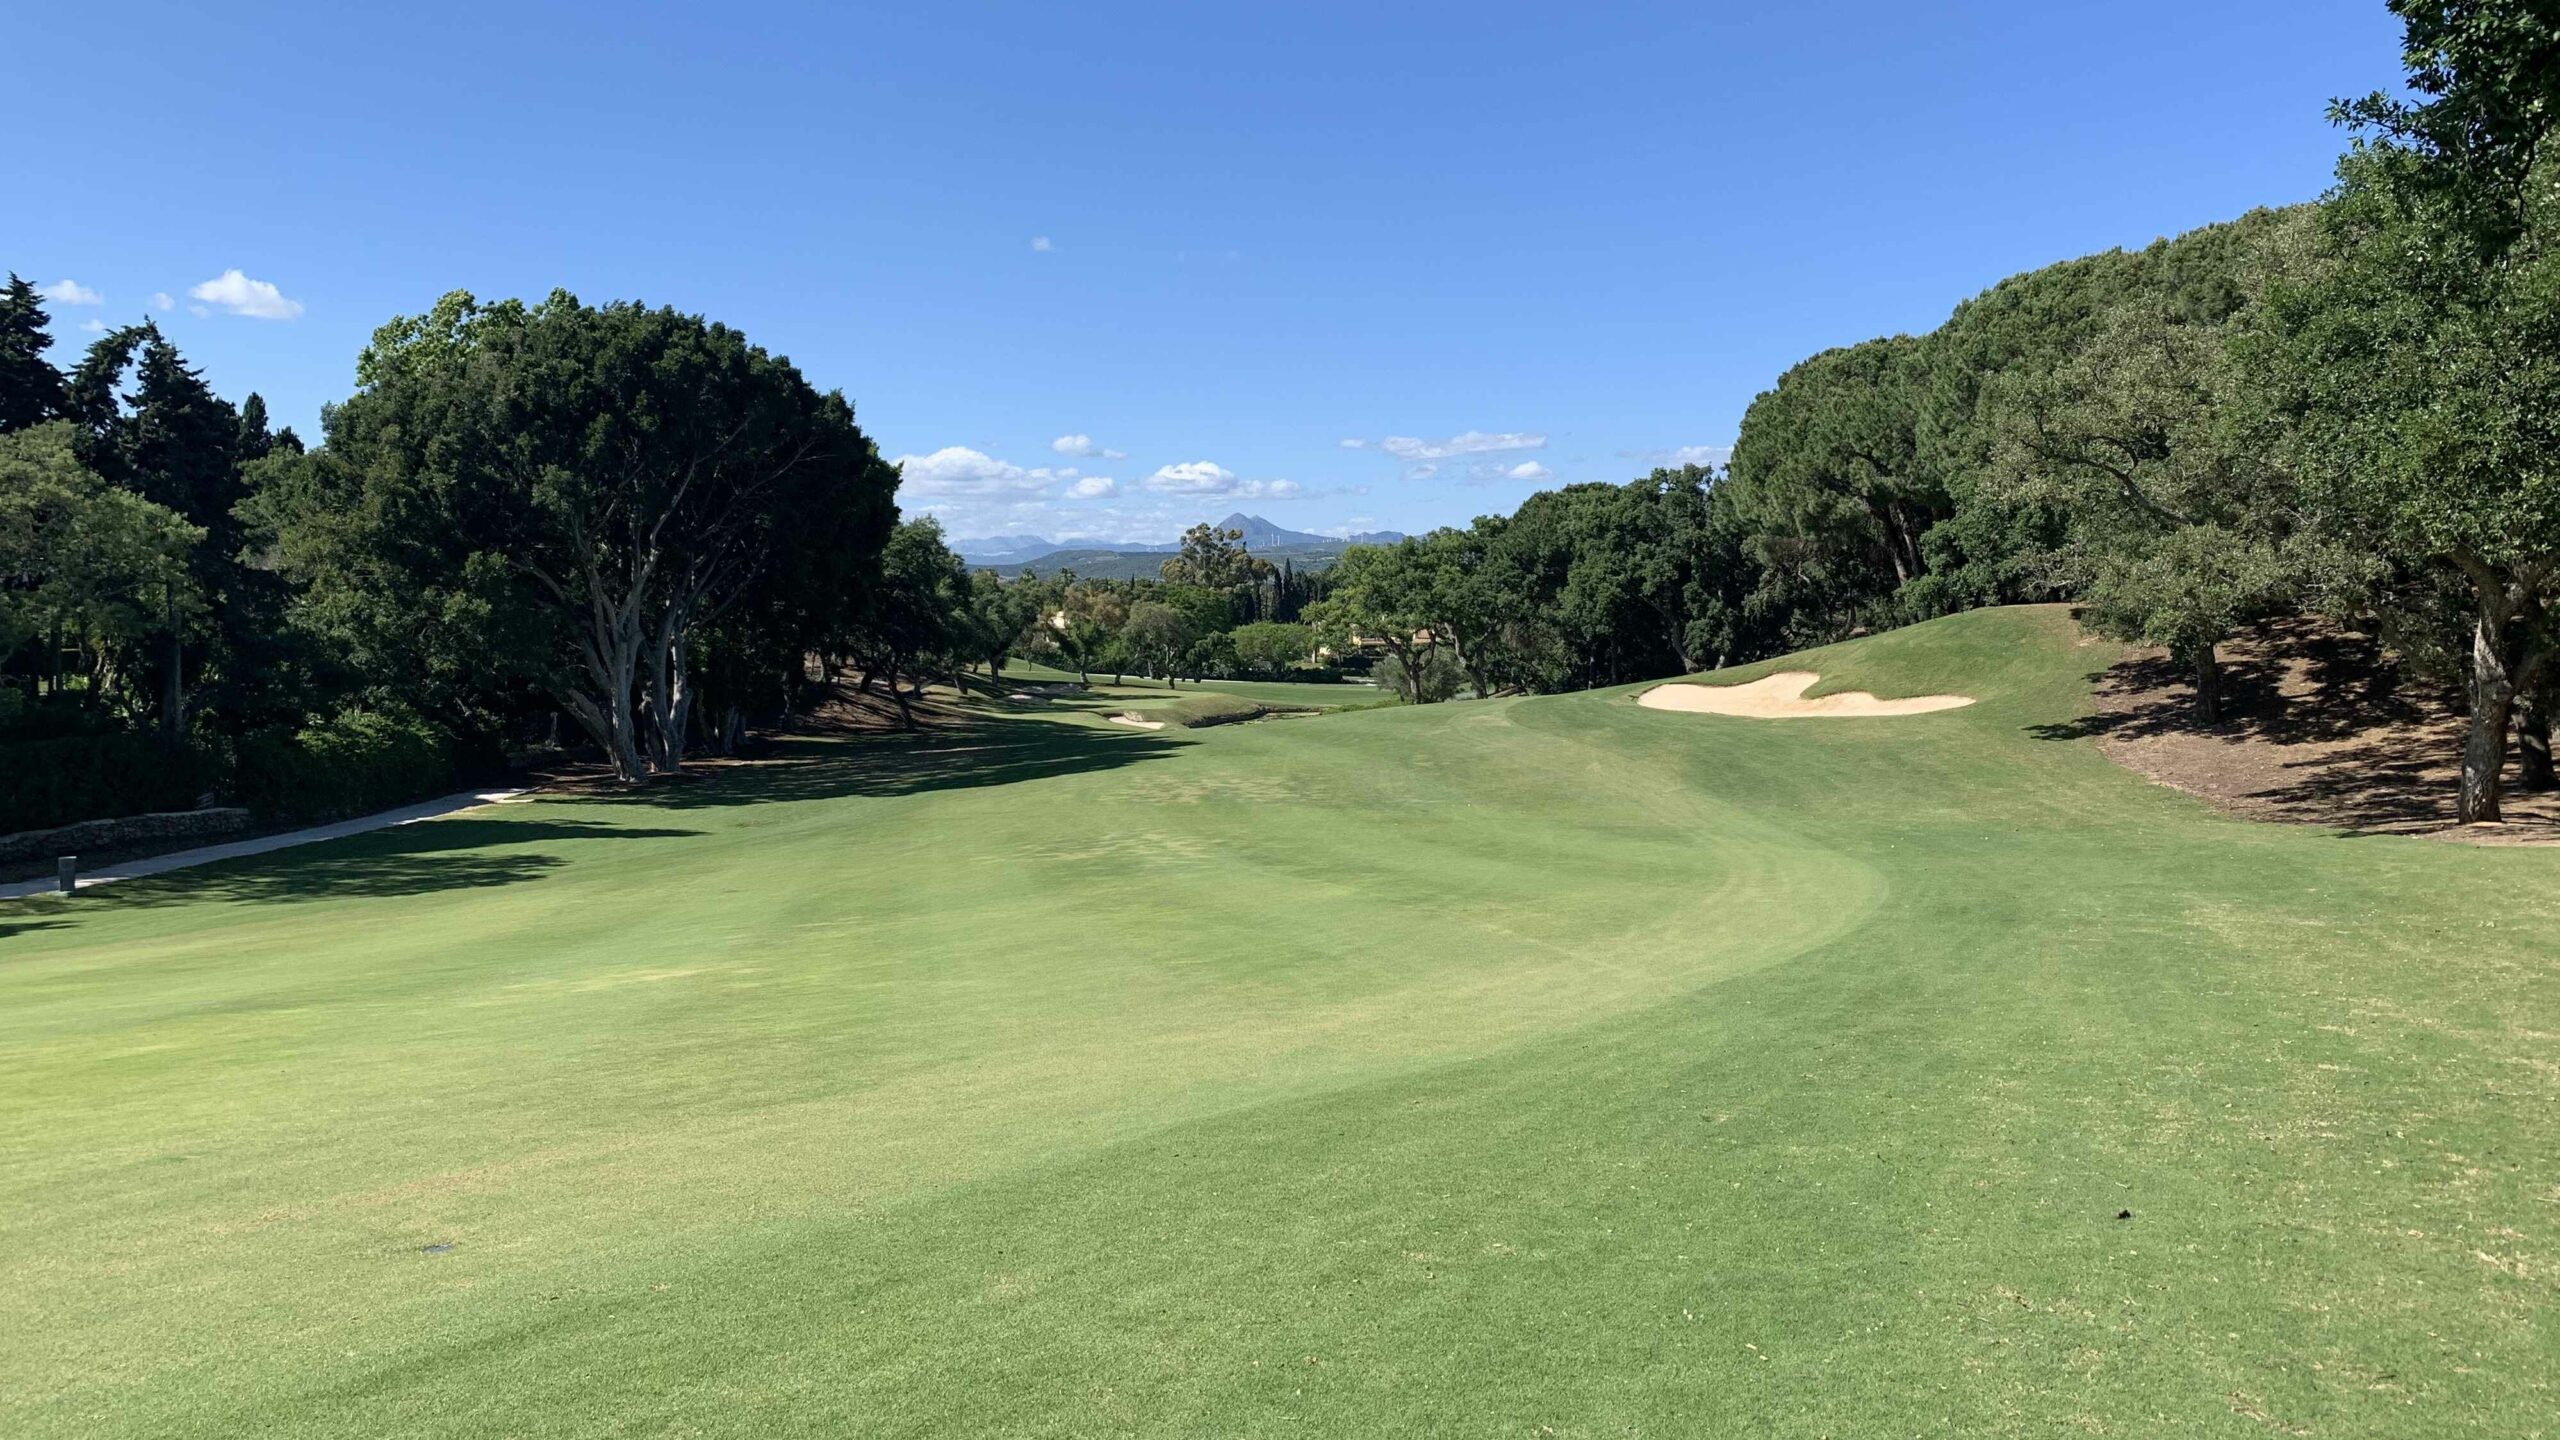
{"x":1270,"y":692}
{"x":1528,"y":1066}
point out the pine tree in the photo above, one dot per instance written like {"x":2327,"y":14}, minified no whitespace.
{"x":30,"y":388}
{"x":255,"y":441}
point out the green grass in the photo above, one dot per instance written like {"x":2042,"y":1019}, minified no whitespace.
{"x":1269,"y":692}
{"x":1520,"y":1067}
{"x":1192,"y":710}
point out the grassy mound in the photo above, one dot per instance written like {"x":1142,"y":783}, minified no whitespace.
{"x":1204,"y":708}
{"x":1473,"y":1069}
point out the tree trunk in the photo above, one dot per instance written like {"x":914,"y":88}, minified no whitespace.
{"x":610,"y":730}
{"x":2208,"y":687}
{"x":2493,"y":697}
{"x":906,"y":712}
{"x":2533,"y":742}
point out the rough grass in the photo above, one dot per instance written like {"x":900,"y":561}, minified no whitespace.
{"x":1520,"y":1067}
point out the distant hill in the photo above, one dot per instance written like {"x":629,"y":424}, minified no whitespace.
{"x":1261,"y":535}
{"x":995,"y":549}
{"x":1013,"y":554}
{"x":1147,"y":564}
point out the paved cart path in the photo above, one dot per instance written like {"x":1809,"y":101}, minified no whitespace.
{"x":260,"y":845}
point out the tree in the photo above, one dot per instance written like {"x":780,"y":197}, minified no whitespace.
{"x":1608,"y":582}
{"x":1087,"y":623}
{"x":997,"y":616}
{"x":1269,"y":647}
{"x":30,"y":388}
{"x":2417,"y":368}
{"x":916,"y":610}
{"x":1157,"y":635}
{"x":171,"y":441}
{"x":1384,"y":595}
{"x":590,"y":488}
{"x":2491,"y":75}
{"x":2186,"y":590}
{"x":78,"y":555}
{"x":2180,"y":518}
{"x":1213,"y":557}
{"x":1827,"y":470}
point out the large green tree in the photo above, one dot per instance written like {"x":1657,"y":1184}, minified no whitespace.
{"x":1387,"y":596}
{"x":1830,"y":479}
{"x":2419,"y":368}
{"x":587,"y":489}
{"x":2180,"y":516}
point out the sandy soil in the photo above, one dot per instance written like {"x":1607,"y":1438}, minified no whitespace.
{"x":1135,"y":723}
{"x":2322,"y":727}
{"x":1781,"y":697}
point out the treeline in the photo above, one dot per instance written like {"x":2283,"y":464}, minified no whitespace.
{"x":1218,"y":612}
{"x":2348,"y":408}
{"x":630,"y":518}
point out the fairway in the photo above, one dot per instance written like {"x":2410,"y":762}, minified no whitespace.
{"x":1530,"y":1066}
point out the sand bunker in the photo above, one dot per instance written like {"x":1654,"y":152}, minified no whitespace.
{"x":1781,"y":697}
{"x":1134,"y":721}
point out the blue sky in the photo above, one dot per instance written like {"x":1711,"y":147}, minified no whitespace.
{"x":1501,"y":246}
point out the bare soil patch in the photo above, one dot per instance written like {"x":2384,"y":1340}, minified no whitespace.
{"x":1781,"y":697}
{"x":2321,"y":726}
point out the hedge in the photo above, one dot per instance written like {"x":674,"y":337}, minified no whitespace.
{"x":346,"y":765}
{"x":45,"y":783}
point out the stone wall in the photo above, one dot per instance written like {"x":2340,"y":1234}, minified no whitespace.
{"x":169,"y":826}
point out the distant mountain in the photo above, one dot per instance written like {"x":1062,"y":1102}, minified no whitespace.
{"x":1000,"y":549}
{"x":1261,"y":534}
{"x":1129,"y":560}
{"x":1128,"y":564}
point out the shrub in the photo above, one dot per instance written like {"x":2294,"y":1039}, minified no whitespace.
{"x":44,"y":783}
{"x":346,"y":765}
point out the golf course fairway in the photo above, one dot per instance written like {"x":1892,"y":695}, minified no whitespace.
{"x":1542,"y":1066}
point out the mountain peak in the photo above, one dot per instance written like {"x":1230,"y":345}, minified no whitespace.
{"x":1262,"y":534}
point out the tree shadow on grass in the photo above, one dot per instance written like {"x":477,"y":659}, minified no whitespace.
{"x":966,"y":753}
{"x":402,"y":860}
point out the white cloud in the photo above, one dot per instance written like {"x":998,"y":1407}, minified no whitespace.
{"x":1194,"y":477}
{"x":1040,"y":245}
{"x":240,"y":295}
{"x":1082,"y":446}
{"x":1207,"y":477}
{"x":958,"y":470}
{"x":1528,"y":470}
{"x":956,"y":473}
{"x":93,"y":325}
{"x":160,"y":301}
{"x":71,"y":292}
{"x":1355,"y":443}
{"x":1473,"y":442}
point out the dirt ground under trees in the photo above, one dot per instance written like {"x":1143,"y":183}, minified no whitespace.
{"x":2321,"y":726}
